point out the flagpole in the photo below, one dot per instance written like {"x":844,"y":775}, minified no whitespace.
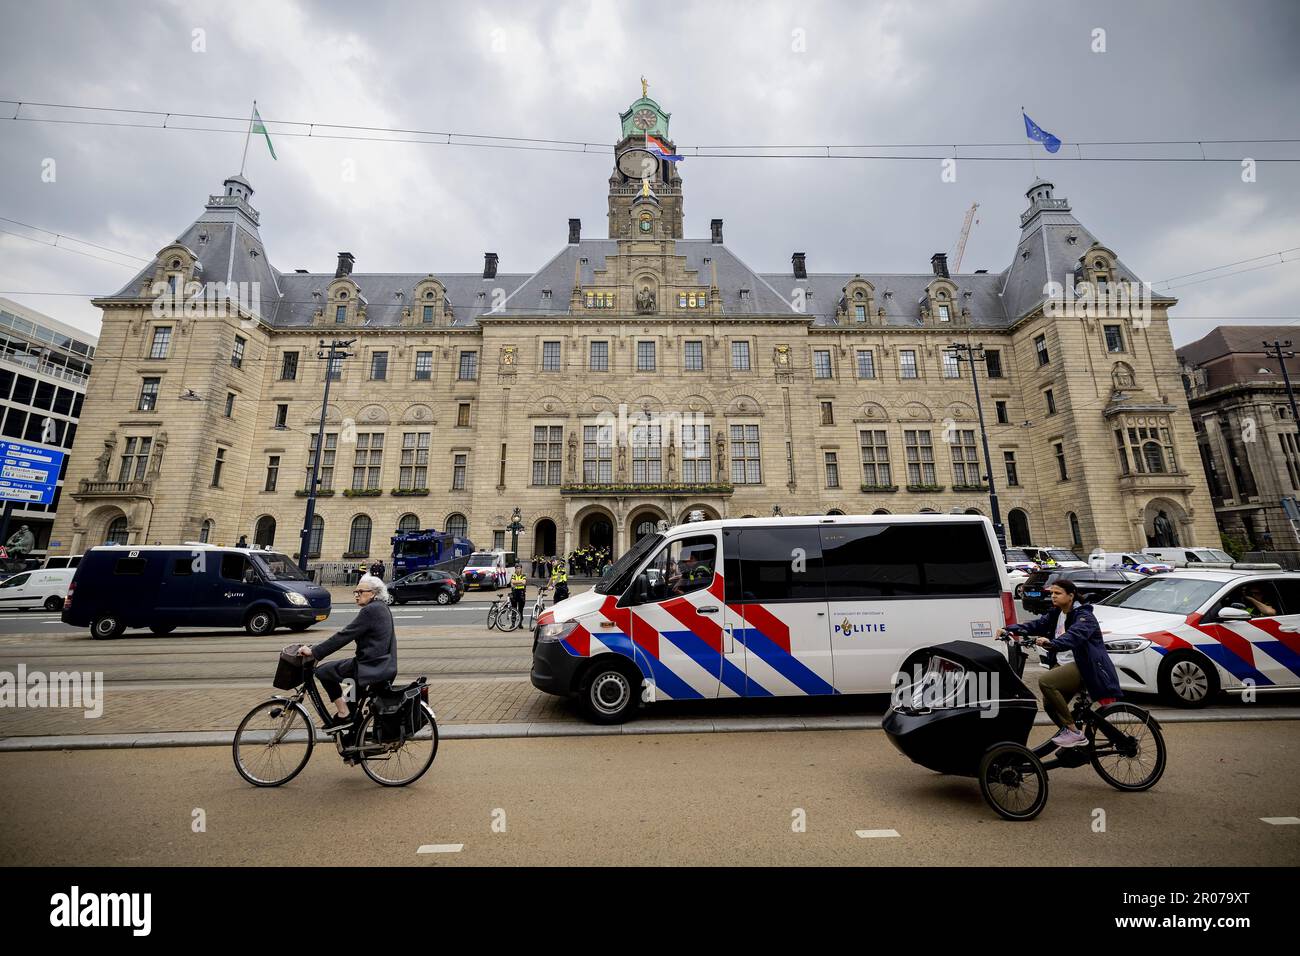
{"x":247,"y":136}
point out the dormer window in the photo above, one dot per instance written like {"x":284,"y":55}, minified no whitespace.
{"x":944,"y":315}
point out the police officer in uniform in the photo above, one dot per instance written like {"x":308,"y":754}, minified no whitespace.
{"x":560,"y":581}
{"x":518,"y":589}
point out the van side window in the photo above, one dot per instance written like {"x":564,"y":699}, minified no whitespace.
{"x":776,"y":564}
{"x":129,"y":566}
{"x":183,"y":566}
{"x":16,"y":581}
{"x":233,"y":566}
{"x":906,"y":560}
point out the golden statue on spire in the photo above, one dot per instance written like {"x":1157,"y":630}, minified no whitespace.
{"x":645,"y":87}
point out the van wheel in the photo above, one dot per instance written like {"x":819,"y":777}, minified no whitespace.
{"x":608,"y":693}
{"x":161,"y":629}
{"x":54,"y":603}
{"x":106,"y":627}
{"x":260,"y":622}
{"x":1187,"y":679}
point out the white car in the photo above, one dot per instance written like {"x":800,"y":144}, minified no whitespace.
{"x":1140,"y":562}
{"x":35,"y":589}
{"x":1056,"y":558}
{"x":1188,"y":635}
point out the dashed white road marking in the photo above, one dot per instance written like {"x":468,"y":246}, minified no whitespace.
{"x":872,"y":834}
{"x":1281,"y":821}
{"x":441,"y":848}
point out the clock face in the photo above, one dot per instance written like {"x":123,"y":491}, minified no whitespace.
{"x":645,"y":118}
{"x":637,"y":164}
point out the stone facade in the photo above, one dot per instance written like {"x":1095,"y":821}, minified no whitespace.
{"x":794,"y":389}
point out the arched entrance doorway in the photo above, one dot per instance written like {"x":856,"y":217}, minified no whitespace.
{"x":597,"y":531}
{"x":1018,"y":525}
{"x":264,"y":532}
{"x":544,"y":538}
{"x":643,"y":521}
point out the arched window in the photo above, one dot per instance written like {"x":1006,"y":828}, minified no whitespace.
{"x":116,"y":531}
{"x":1154,"y":457}
{"x":834,"y":511}
{"x":359,"y":537}
{"x":408,"y":523}
{"x":264,"y":532}
{"x":317,"y":536}
{"x":1076,"y":536}
{"x":457,"y":525}
{"x":205,"y":531}
{"x":1019,"y":522}
{"x":881,"y":511}
{"x":642,"y":529}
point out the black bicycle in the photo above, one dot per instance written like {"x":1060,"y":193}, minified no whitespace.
{"x":394,"y":736}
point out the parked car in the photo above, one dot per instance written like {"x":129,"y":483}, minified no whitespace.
{"x":1206,"y":558}
{"x":192,"y":585}
{"x":1190,"y":634}
{"x":1056,"y":558}
{"x":1135,"y":561}
{"x":36,"y":589}
{"x":437,"y":586}
{"x":1093,"y":585}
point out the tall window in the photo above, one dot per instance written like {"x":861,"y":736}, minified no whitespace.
{"x":599,"y":357}
{"x":993,"y":362}
{"x":117,"y":531}
{"x":828,"y":413}
{"x":237,"y":353}
{"x":647,"y":453}
{"x":1123,"y":452}
{"x":697,"y":463}
{"x":859,"y":313}
{"x":693,"y":356}
{"x":462,"y":415}
{"x":282,"y":416}
{"x":427,"y":316}
{"x":423,"y":366}
{"x":1050,"y":399}
{"x":217,"y":467}
{"x":408,"y":523}
{"x":1076,"y":536}
{"x":162,"y":342}
{"x":459,"y":465}
{"x":1040,"y":347}
{"x":340,"y":314}
{"x":965,"y":463}
{"x":1058,"y":449}
{"x":468,"y":371}
{"x":548,"y":454}
{"x":645,"y":356}
{"x":1003,"y":417}
{"x":148,"y":394}
{"x":272,"y":472}
{"x":359,"y":536}
{"x":740,"y":356}
{"x":1154,"y":458}
{"x":135,"y":459}
{"x":866,"y":363}
{"x":821,"y":363}
{"x":920,"y":457}
{"x":746,"y":465}
{"x":326,"y":461}
{"x":316,"y":537}
{"x":550,"y":356}
{"x":289,"y":366}
{"x":368,"y":462}
{"x":457,"y":525}
{"x":379,"y":366}
{"x":413,"y":470}
{"x":906,"y":363}
{"x":230,"y":404}
{"x":1114,"y":338}
{"x":950,"y":367}
{"x":1013,"y":476}
{"x":875,"y":458}
{"x":1150,"y":447}
{"x":944,"y":314}
{"x":832,"y":469}
{"x":334,"y":367}
{"x":597,"y":454}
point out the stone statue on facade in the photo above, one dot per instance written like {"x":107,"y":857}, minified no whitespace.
{"x":645,"y":299}
{"x":573,"y":456}
{"x":159,"y":446}
{"x":722,"y":458}
{"x":105,"y":457}
{"x":1165,"y":534}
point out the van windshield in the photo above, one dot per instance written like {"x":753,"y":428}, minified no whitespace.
{"x":410,"y":549}
{"x":620,"y":574}
{"x":277,"y":567}
{"x":1058,"y":555}
{"x":481,"y":559}
{"x":1014,"y":555}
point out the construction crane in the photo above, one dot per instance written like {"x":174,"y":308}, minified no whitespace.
{"x":965,"y":234}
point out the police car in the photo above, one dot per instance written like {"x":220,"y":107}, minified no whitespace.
{"x":1188,"y":635}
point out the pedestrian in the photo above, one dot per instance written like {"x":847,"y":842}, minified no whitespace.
{"x":242,"y":542}
{"x":518,"y":589}
{"x":377,"y":569}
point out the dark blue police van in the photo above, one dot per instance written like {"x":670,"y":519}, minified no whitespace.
{"x":191,"y":585}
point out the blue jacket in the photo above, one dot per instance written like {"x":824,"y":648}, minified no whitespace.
{"x":1082,"y":637}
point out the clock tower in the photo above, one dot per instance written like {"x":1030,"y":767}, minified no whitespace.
{"x":645,"y":191}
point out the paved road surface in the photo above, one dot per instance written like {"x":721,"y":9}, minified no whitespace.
{"x":664,"y":800}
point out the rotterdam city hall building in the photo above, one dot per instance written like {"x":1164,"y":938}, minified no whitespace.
{"x":629,"y":380}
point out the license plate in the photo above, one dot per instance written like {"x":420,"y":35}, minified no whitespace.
{"x":1033,"y":594}
{"x":321,"y":617}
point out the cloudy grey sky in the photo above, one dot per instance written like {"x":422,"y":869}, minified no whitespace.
{"x":730,"y":73}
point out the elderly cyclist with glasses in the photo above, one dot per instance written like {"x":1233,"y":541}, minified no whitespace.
{"x":375,"y":660}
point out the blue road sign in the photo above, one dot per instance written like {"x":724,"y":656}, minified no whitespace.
{"x":28,"y":472}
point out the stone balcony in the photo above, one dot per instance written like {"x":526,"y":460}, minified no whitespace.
{"x":94,"y":488}
{"x":1158,"y":481}
{"x":646,"y":489}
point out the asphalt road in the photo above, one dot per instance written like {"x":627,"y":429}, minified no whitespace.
{"x":663,"y":800}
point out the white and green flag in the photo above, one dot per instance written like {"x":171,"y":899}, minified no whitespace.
{"x":260,"y":127}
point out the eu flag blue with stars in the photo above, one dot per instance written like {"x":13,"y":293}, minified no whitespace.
{"x":1040,"y":135}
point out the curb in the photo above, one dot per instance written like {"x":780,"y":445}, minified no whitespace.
{"x":703,"y":725}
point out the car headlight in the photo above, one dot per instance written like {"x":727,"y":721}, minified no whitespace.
{"x":556,"y":632}
{"x":1128,"y":645}
{"x":296,"y":599}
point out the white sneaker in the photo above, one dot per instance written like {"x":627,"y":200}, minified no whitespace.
{"x":1069,"y":737}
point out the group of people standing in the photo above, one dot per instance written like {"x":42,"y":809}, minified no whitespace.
{"x":586,"y":562}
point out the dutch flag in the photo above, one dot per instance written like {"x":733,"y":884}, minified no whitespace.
{"x":658,"y":147}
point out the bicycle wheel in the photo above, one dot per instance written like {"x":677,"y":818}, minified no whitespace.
{"x":1013,"y":781}
{"x":1137,"y":762}
{"x":493,"y":611}
{"x":398,"y":763}
{"x":510,"y":619}
{"x":273,"y":742}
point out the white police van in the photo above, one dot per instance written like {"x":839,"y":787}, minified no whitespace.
{"x":765,"y":607}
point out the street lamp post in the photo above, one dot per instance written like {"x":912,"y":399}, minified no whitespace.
{"x":516,"y":525}
{"x":337,"y":349}
{"x":971,"y":354}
